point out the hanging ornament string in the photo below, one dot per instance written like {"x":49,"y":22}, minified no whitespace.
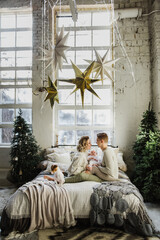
{"x":124,"y":50}
{"x":43,"y":40}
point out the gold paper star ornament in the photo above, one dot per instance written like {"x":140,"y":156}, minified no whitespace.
{"x":55,"y":55}
{"x":82,"y":80}
{"x":52,"y":92}
{"x":102,"y":66}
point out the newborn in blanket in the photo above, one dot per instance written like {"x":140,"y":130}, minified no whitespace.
{"x":93,"y":159}
{"x":58,"y":175}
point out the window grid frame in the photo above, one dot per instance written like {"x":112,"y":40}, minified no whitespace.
{"x":92,"y":127}
{"x":14,"y":81}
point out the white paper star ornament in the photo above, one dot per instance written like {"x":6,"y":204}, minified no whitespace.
{"x":102,"y":66}
{"x":61,"y":48}
{"x":55,"y":54}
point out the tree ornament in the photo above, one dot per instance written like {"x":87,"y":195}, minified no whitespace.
{"x":55,"y":55}
{"x":102,"y":66}
{"x":52,"y":92}
{"x":20,"y":172}
{"x":82,"y":80}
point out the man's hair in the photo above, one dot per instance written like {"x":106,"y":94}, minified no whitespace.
{"x":103,"y":136}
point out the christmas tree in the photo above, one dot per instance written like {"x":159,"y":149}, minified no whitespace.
{"x":147,"y":157}
{"x":25,"y":153}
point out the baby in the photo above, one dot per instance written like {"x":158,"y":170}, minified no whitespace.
{"x":93,"y":160}
{"x":58,"y":175}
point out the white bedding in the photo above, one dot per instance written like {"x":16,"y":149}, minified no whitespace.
{"x":79,"y":194}
{"x":80,"y":197}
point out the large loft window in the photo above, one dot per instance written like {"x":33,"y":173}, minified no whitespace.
{"x":92,"y":31}
{"x":15,"y":69}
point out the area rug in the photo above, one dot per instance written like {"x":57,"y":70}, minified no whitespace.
{"x":78,"y":233}
{"x":98,"y":233}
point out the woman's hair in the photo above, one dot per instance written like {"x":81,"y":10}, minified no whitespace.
{"x":82,"y":144}
{"x":103,"y":136}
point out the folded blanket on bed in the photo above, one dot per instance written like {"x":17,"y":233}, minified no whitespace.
{"x":121,"y":204}
{"x":38,"y":204}
{"x":49,"y":205}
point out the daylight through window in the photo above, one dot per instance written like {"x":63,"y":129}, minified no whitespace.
{"x":92,"y":31}
{"x":15,"y":69}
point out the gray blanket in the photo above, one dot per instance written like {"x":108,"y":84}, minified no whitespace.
{"x":120,"y":203}
{"x":49,"y":205}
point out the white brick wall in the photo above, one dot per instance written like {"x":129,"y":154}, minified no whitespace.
{"x":132,"y":97}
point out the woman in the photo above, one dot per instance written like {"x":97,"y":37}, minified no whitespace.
{"x":79,"y":161}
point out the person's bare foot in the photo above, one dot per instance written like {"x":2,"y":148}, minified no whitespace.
{"x":88,"y":172}
{"x":45,"y":177}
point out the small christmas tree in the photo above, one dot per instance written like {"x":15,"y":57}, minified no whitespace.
{"x":147,"y":157}
{"x":24,"y":152}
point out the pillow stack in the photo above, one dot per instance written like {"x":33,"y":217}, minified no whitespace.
{"x":62,"y":156}
{"x":58,"y":156}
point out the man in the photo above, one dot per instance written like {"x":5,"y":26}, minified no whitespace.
{"x":108,"y":168}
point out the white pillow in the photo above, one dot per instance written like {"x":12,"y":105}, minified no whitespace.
{"x":63,"y":166}
{"x":55,"y":150}
{"x":49,"y":150}
{"x":121,"y":164}
{"x":70,"y":149}
{"x":59,"y":150}
{"x":50,"y":157}
{"x":60,"y":157}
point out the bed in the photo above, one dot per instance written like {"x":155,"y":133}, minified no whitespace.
{"x":117,"y":203}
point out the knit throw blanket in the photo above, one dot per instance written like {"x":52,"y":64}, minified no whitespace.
{"x":120,"y":203}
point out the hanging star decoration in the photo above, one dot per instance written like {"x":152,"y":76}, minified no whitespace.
{"x":55,"y":55}
{"x":82,"y":80}
{"x":102,"y":66}
{"x":52,"y":92}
